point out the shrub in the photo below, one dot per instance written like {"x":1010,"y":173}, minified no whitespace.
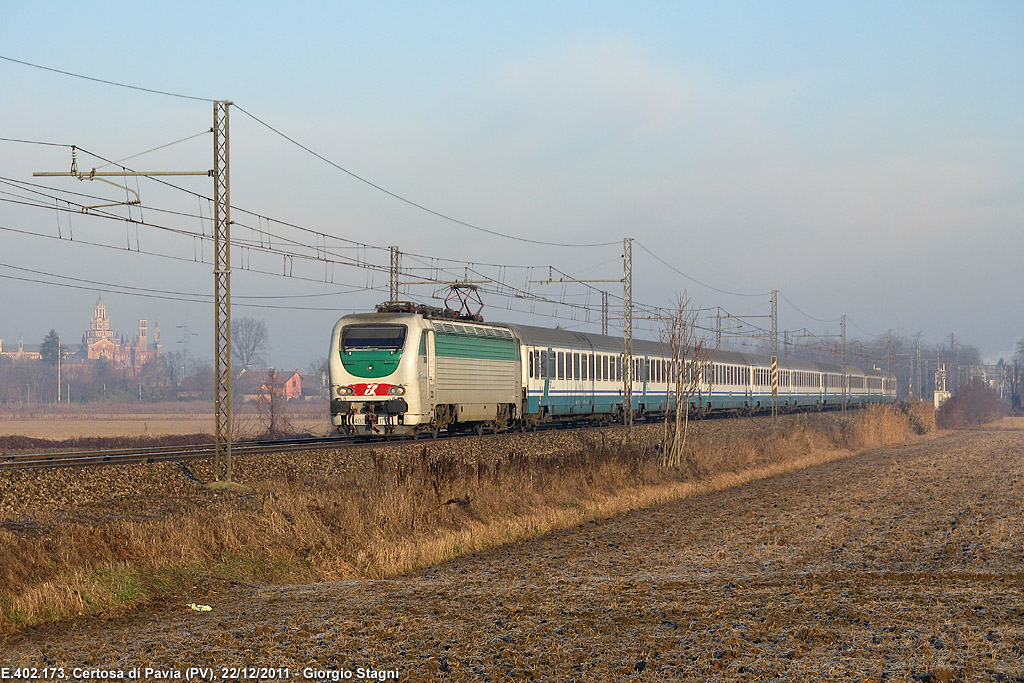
{"x":973,"y":404}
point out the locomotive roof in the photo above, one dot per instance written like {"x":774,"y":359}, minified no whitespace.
{"x":545,"y":337}
{"x":532,"y":335}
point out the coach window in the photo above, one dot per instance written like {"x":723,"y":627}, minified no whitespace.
{"x":531,"y":369}
{"x":583,"y":367}
{"x":560,"y":372}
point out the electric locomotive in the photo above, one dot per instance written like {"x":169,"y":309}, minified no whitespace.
{"x":414,"y":369}
{"x":410,"y":369}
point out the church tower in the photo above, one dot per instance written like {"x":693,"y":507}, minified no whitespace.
{"x":99,"y":328}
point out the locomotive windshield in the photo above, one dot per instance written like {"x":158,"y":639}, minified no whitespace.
{"x":363,"y":337}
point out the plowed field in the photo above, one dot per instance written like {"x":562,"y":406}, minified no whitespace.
{"x":898,"y":564}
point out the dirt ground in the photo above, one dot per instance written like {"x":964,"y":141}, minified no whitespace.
{"x":901,"y":564}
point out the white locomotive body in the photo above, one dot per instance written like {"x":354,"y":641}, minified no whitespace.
{"x":404,"y":373}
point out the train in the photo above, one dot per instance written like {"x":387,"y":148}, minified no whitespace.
{"x":411,"y":369}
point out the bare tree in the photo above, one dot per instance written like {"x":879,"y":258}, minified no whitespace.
{"x":270,"y":407}
{"x":690,"y":358}
{"x":1017,"y":377}
{"x":249,"y":341}
{"x":319,"y":370}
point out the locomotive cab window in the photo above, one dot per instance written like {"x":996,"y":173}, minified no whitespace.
{"x":376,"y":337}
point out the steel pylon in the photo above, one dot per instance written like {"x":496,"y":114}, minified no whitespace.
{"x":222,"y":290}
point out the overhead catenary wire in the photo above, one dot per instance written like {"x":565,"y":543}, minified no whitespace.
{"x":170,"y":296}
{"x":807,"y":315}
{"x":693,"y":279}
{"x":501,"y":289}
{"x":194,"y":295}
{"x":417,"y":205}
{"x":104,"y":81}
{"x":165,"y":146}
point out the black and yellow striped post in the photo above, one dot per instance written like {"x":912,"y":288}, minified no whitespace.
{"x":775,"y":353}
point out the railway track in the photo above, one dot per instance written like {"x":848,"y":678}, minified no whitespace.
{"x":125,"y":456}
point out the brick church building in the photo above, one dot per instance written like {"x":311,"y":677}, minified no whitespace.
{"x":101,"y":342}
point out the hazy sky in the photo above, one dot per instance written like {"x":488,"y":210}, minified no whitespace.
{"x":864,"y":158}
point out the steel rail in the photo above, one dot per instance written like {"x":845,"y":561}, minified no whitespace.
{"x":156,"y":453}
{"x":153,"y":454}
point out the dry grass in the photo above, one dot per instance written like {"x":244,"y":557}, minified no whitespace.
{"x":392,"y":515}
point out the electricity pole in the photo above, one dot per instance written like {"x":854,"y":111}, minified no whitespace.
{"x":604,"y":312}
{"x":221,"y":271}
{"x":627,"y":332}
{"x":393,"y":288}
{"x":718,"y":328}
{"x":955,"y":384}
{"x":222,"y":289}
{"x":843,"y":333}
{"x":917,"y":370}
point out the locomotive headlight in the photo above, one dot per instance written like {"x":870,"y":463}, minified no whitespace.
{"x":396,"y":391}
{"x":346,"y":391}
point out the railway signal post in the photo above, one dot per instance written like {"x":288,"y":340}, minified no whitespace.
{"x":775,"y":352}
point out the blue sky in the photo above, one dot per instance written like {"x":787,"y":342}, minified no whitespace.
{"x":863,"y":158}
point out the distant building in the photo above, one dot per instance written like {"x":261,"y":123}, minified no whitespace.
{"x":101,"y":342}
{"x":23,"y":352}
{"x":252,"y":385}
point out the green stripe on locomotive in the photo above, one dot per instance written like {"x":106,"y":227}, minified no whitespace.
{"x":456,"y":345}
